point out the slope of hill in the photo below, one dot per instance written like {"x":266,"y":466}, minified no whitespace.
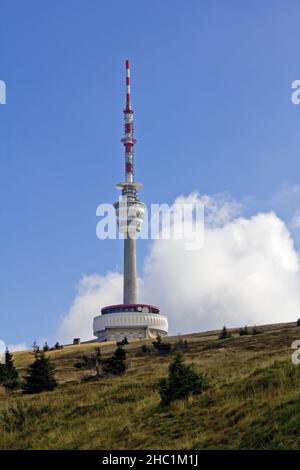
{"x":253,"y":401}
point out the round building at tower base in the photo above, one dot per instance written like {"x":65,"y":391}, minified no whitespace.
{"x":135,"y":321}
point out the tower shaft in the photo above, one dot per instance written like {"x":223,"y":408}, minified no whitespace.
{"x":129,"y":273}
{"x":129,"y":280}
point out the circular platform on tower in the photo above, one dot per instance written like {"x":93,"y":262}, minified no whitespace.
{"x":135,"y":321}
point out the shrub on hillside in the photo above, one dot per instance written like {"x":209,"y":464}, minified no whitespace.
{"x":40,"y":374}
{"x":244,"y":331}
{"x":123,"y":342}
{"x":162,"y":347}
{"x":94,"y":361}
{"x":298,"y":322}
{"x":85,"y":362}
{"x":116,"y":364}
{"x":224,"y":333}
{"x":181,"y":382}
{"x":56,"y":347}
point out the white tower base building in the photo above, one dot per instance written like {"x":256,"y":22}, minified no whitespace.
{"x":135,"y":321}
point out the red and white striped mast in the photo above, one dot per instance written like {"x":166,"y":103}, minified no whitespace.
{"x":128,"y":139}
{"x":129,"y":186}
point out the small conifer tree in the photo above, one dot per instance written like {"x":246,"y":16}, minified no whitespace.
{"x":8,"y":374}
{"x":124,"y":342}
{"x":224,"y":333}
{"x":40,"y":374}
{"x":181,"y":382}
{"x":244,"y":331}
{"x":162,"y":347}
{"x":116,"y":364}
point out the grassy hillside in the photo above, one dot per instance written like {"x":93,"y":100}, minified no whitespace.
{"x":253,"y":401}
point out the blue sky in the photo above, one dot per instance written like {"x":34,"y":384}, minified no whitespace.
{"x":211,"y":85}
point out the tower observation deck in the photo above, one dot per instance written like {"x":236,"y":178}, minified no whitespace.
{"x":130,"y":319}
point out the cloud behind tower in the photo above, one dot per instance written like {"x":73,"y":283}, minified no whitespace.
{"x":247,"y":272}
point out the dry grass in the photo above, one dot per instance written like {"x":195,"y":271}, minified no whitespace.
{"x":253,"y":402}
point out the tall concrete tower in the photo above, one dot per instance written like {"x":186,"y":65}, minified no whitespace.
{"x":129,"y":210}
{"x":131,"y":319}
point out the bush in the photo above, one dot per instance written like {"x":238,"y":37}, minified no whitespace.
{"x":244,"y":331}
{"x":181,"y":382}
{"x":8,"y":374}
{"x":224,"y":333}
{"x":298,"y":322}
{"x":162,"y":347}
{"x":123,"y":342}
{"x":94,"y":361}
{"x":41,"y":375}
{"x":116,"y":364}
{"x":86,"y":362}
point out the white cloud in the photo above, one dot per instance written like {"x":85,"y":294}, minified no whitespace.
{"x":246,"y":273}
{"x":11,"y":347}
{"x":93,"y":292}
{"x":17,"y":347}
